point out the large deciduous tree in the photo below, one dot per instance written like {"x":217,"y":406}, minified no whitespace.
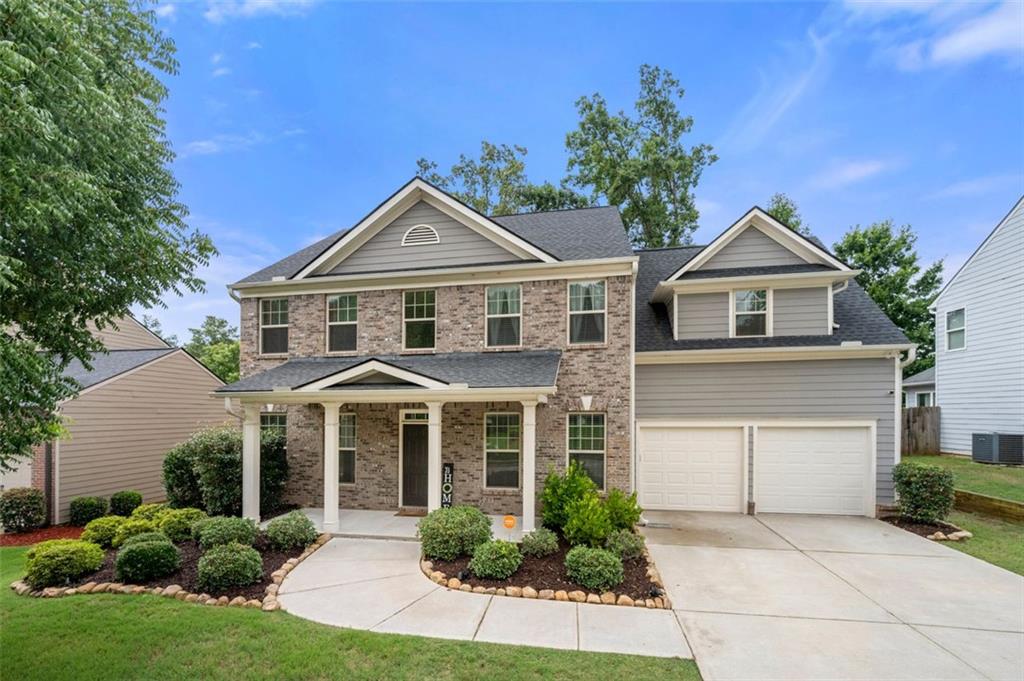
{"x":215,"y":344}
{"x":784,"y":209}
{"x":89,"y":219}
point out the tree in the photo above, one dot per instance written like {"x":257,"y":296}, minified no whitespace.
{"x":212,"y":331}
{"x":222,"y":359}
{"x":154,"y":325}
{"x":541,"y":197}
{"x":639,"y":162}
{"x":893,"y":277}
{"x":89,"y":220}
{"x":784,"y":209}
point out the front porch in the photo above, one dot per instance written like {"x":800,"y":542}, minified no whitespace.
{"x":389,"y":525}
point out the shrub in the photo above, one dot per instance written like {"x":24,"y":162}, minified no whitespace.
{"x":177,"y":523}
{"x":594,"y":569}
{"x":57,"y":562}
{"x":22,"y":509}
{"x":86,"y":509}
{"x":142,"y":561}
{"x":447,"y":533}
{"x":562,"y":490}
{"x":217,"y":531}
{"x":924,"y":493}
{"x":149,"y":512}
{"x":625,"y":544}
{"x":496,"y":559}
{"x":199,"y":525}
{"x":102,"y":530}
{"x":229,"y":565}
{"x":588,"y":521}
{"x":124,"y":502}
{"x":540,"y":542}
{"x":145,"y":538}
{"x":623,"y":510}
{"x":292,"y":530}
{"x":181,"y":484}
{"x":131,"y":527}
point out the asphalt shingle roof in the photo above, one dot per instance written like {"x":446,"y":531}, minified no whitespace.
{"x":926,"y":377}
{"x":110,"y":364}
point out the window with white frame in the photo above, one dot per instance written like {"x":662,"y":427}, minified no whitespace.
{"x":956,"y":329}
{"x":502,"y":437}
{"x":587,"y":312}
{"x":341,"y":322}
{"x":346,"y":449}
{"x":273,"y":326}
{"x":274,"y":421}
{"x":750,"y":312}
{"x":587,"y":444}
{"x":419,"y":318}
{"x":504,"y":316}
{"x":924,"y":399}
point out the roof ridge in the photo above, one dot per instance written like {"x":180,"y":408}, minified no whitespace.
{"x":542,"y":212}
{"x":668,"y":248}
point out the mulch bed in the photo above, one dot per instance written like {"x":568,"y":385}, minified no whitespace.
{"x":36,"y":536}
{"x":549,"y":573}
{"x":922,"y":529}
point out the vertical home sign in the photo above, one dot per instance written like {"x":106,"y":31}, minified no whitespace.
{"x":447,"y":484}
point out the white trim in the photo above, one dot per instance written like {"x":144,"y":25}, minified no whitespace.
{"x":778,"y":354}
{"x":897,"y":423}
{"x":456,"y":392}
{"x":632,"y":387}
{"x":260,"y":325}
{"x":569,"y":313}
{"x":56,"y":480}
{"x":372,"y":366}
{"x":675,"y":315}
{"x":354,"y":449}
{"x":488,"y":316}
{"x":433,"y":345}
{"x":831,"y":308}
{"x":329,"y":324}
{"x":604,"y":452}
{"x":401,"y":438}
{"x":519,"y":484}
{"x":946,"y":329}
{"x":664,"y":289}
{"x":412,"y":236}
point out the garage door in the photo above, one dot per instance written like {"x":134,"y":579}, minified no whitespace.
{"x":690,"y":469}
{"x":813,"y":470}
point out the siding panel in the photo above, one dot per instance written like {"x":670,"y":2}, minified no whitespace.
{"x":704,"y":315}
{"x":800,"y":311}
{"x":129,"y":335}
{"x":752,"y":248}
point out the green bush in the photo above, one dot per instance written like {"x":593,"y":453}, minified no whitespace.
{"x":588,"y":521}
{"x":22,"y":509}
{"x":124,"y":502}
{"x":221,"y":530}
{"x":594,"y":569}
{"x":923,"y":493}
{"x":495,"y":559}
{"x":149,"y":512}
{"x":293,"y":530}
{"x":625,"y":544}
{"x":86,"y":509}
{"x":145,"y":538}
{"x":58,"y":561}
{"x":141,"y":561}
{"x":102,"y":530}
{"x":181,"y":484}
{"x":177,"y":523}
{"x":562,"y":490}
{"x":623,"y":510}
{"x":447,"y":533}
{"x":540,"y":542}
{"x":131,"y":527}
{"x":228,"y":565}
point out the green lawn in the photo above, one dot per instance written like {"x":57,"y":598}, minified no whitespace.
{"x":997,"y":541}
{"x":148,"y":637}
{"x":1005,"y":482}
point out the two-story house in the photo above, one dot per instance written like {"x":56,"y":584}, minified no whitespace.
{"x":431,"y":354}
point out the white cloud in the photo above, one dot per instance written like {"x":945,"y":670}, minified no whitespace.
{"x":216,"y":57}
{"x":166,"y":11}
{"x":220,"y":72}
{"x":978,"y":186}
{"x":253,"y":45}
{"x":1001,"y":31}
{"x":843,"y":174}
{"x":218,"y":11}
{"x":219,"y":144}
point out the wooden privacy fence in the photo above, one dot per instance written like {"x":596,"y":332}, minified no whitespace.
{"x":920,"y":430}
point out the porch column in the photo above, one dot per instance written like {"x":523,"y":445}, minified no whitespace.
{"x":251,"y":461}
{"x":331,"y":467}
{"x":529,"y":465}
{"x":434,"y":455}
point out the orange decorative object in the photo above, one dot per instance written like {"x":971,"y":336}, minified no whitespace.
{"x":510,"y":522}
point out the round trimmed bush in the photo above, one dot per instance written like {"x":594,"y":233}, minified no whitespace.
{"x":541,"y":542}
{"x":220,"y":530}
{"x":447,"y":533}
{"x":562,"y":490}
{"x":146,"y":537}
{"x":292,"y":530}
{"x":228,"y":565}
{"x":594,"y":569}
{"x":141,"y":561}
{"x":923,"y":493}
{"x":149,"y":511}
{"x":58,"y":561}
{"x":131,"y":527}
{"x":22,"y":509}
{"x":102,"y":530}
{"x":124,"y":502}
{"x":496,"y":559}
{"x":623,"y":510}
{"x":177,"y":523}
{"x":86,"y":509}
{"x":625,"y":544}
{"x":588,"y":521}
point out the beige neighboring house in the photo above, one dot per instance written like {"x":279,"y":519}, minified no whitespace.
{"x":139,"y":399}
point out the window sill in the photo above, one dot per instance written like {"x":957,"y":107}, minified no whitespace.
{"x":510,"y":491}
{"x":272,"y":355}
{"x":418,"y":351}
{"x":342,"y":353}
{"x":587,"y":346}
{"x":504,"y":348}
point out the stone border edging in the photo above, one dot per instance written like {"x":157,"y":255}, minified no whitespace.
{"x":268,"y":603}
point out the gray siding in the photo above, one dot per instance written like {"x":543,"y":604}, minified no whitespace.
{"x":800,"y":311}
{"x":839,"y":389}
{"x":752,"y":248}
{"x":459,"y":245}
{"x":704,"y":315}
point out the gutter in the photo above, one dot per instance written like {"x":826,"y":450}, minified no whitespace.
{"x":911,"y":356}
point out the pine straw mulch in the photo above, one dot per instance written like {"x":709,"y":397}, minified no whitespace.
{"x":918,"y":528}
{"x":36,"y":536}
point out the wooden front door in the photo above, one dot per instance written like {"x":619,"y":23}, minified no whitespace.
{"x":414,"y":464}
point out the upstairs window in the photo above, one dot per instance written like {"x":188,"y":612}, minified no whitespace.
{"x":341,"y":323}
{"x":273,"y":326}
{"x":504,"y":316}
{"x":347,"y":449}
{"x":750,"y":312}
{"x":956,"y":329}
{"x":586,"y":312}
{"x":419,"y":320}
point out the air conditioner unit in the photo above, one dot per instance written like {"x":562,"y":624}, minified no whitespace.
{"x":1002,"y":448}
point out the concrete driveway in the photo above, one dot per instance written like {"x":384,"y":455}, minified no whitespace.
{"x":815,"y":597}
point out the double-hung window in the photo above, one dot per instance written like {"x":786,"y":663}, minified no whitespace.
{"x":504,"y":316}
{"x":341,"y":323}
{"x":419,"y":314}
{"x":750,"y":312}
{"x":502,"y":437}
{"x":587,"y":444}
{"x":586,"y":312}
{"x":956,"y":329}
{"x":347,"y":449}
{"x":273,"y":326}
{"x":274,"y":421}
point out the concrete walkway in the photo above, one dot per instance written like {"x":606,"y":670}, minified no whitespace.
{"x":390,"y":525}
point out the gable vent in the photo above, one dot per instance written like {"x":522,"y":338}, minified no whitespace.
{"x":421,"y":235}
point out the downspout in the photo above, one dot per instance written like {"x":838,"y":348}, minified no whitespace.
{"x":228,"y":407}
{"x":911,"y":356}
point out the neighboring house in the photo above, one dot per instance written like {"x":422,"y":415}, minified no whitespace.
{"x":140,"y":398}
{"x":430,"y":340}
{"x":919,"y":389}
{"x":979,"y":340}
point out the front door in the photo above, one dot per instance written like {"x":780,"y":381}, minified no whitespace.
{"x":414,"y":464}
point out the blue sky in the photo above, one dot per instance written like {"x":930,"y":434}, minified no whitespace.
{"x":293,"y":119}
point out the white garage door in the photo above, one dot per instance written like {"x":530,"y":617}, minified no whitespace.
{"x":690,"y":469}
{"x":813,"y":470}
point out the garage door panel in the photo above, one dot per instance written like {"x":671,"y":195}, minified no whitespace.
{"x":690,"y":468}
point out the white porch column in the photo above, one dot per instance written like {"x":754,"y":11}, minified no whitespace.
{"x":529,"y":465}
{"x":251,"y":461}
{"x":434,"y":455}
{"x":331,"y":467}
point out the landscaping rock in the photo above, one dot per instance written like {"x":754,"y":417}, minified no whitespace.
{"x":577,"y":596}
{"x":278,"y":575}
{"x":639,"y":603}
{"x":466,"y":587}
{"x":594,"y":598}
{"x":454,"y":583}
{"x":87,"y":588}
{"x":561,"y":595}
{"x":71,"y":592}
{"x":272,"y":589}
{"x":426,"y":566}
{"x":478,"y":589}
{"x":529,"y":592}
{"x":513,"y":591}
{"x":156,"y":590}
{"x":171,"y":590}
{"x":490,"y":591}
{"x":223,"y":600}
{"x":608,"y":598}
{"x":191,"y":598}
{"x":21,"y":588}
{"x":658,"y":603}
{"x":253,"y":603}
{"x":140,"y":590}
{"x":100,"y":588}
{"x":546,"y":594}
{"x":181,"y":595}
{"x":667,"y":603}
{"x":649,"y":603}
{"x":624,"y":600}
{"x":237,"y":601}
{"x":938,"y":536}
{"x":292,"y":561}
{"x":270,"y":604}
{"x":53,"y":592}
{"x":499,"y":592}
{"x":211,"y":602}
{"x":960,"y":534}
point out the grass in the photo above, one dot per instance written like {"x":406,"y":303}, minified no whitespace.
{"x":149,"y":637}
{"x":997,"y":541}
{"x":1005,"y":482}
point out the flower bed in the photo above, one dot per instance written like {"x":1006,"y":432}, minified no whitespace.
{"x":936,"y":531}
